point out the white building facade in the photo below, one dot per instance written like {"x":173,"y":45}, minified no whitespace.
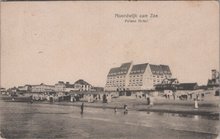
{"x":60,"y":86}
{"x":117,"y":78}
{"x":136,"y":77}
{"x":42,"y":88}
{"x":82,"y":85}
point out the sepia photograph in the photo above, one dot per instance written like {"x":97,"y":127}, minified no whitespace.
{"x":109,"y":70}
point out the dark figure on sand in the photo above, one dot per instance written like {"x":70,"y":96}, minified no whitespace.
{"x":125,"y":109}
{"x":115,"y":109}
{"x":82,"y":107}
{"x":31,"y":99}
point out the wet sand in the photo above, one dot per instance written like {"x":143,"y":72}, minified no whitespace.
{"x":23,"y":120}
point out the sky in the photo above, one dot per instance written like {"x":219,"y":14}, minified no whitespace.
{"x":47,"y":42}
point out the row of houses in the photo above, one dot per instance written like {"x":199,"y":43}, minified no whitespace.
{"x":79,"y":85}
{"x":126,"y":77}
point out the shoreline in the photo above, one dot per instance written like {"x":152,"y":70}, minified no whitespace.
{"x":166,"y":108}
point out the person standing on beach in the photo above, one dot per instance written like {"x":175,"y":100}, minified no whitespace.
{"x":148,"y":100}
{"x":174,"y":95}
{"x":125,"y":109}
{"x":82,"y":107}
{"x":31,"y":99}
{"x":196,"y":101}
{"x":196,"y":104}
{"x":115,"y":109}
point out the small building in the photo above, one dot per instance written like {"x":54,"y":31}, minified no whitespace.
{"x":187,"y":86}
{"x":82,"y":85}
{"x":12,"y":91}
{"x":215,"y":79}
{"x":24,"y":89}
{"x":167,"y":84}
{"x":42,"y":88}
{"x":70,"y":88}
{"x":3,"y":91}
{"x":60,"y":86}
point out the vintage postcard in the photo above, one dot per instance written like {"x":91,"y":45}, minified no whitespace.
{"x":109,"y":70}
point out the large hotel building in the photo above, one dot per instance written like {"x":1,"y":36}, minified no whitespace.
{"x":136,"y":77}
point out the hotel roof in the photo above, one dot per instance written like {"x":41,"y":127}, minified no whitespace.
{"x":122,"y":70}
{"x":160,"y":69}
{"x":166,"y":69}
{"x":139,"y":68}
